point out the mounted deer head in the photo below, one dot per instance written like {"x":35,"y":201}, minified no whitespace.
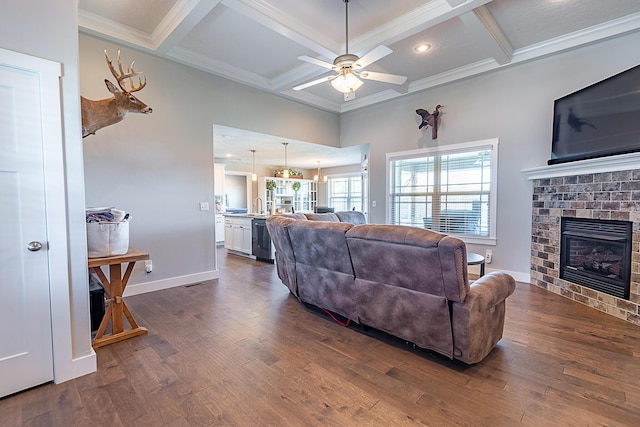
{"x":105,"y":112}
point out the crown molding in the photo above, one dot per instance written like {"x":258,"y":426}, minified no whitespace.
{"x":102,"y":27}
{"x":219,"y":68}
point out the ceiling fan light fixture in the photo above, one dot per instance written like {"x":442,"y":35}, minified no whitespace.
{"x":346,"y":82}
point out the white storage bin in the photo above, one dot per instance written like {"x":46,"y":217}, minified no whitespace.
{"x":108,"y":238}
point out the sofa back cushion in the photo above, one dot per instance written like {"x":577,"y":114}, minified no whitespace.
{"x":352,"y":217}
{"x":324,"y":272}
{"x":295,"y":215}
{"x":329,"y":216}
{"x":412,"y":258}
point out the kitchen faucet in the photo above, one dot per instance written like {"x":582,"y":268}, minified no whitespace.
{"x":259,"y":209}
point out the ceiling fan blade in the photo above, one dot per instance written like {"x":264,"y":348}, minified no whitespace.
{"x":315,"y":82}
{"x":316,"y":62}
{"x":383,"y":77}
{"x":371,"y":57}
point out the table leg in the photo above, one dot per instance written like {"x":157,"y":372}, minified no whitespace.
{"x":115,"y":274}
{"x":116,"y":310}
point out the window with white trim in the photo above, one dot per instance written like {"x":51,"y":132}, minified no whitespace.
{"x":345,"y":192}
{"x":450,"y":189}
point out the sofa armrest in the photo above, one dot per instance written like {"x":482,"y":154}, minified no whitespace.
{"x":489,"y":291}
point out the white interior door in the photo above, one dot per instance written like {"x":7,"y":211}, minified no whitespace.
{"x":26,"y":353}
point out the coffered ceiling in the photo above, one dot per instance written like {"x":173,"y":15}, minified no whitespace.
{"x":258,"y":42}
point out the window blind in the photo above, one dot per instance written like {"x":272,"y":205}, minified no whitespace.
{"x":449,"y":191}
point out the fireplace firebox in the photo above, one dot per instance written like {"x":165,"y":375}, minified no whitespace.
{"x":597,"y":254}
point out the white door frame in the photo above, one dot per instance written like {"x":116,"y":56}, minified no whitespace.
{"x":65,"y":363}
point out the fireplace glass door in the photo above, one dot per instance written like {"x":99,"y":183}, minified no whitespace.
{"x":596,"y":254}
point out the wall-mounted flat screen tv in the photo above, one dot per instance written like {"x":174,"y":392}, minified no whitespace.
{"x":600,"y":120}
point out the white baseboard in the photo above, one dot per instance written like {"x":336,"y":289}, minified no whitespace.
{"x":172,"y":282}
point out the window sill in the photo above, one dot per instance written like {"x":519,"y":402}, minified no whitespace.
{"x":489,"y":241}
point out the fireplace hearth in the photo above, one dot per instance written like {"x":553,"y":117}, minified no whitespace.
{"x":597,"y":254}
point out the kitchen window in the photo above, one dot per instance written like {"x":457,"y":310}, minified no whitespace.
{"x":345,"y":192}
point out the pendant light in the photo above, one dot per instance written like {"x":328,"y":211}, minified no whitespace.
{"x":254,"y":176}
{"x":285,"y":174}
{"x":318,"y":177}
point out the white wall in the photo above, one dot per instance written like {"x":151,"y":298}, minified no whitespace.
{"x":515,"y":105}
{"x":160,"y":166}
{"x":49,"y":30}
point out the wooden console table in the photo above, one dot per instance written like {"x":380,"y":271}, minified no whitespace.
{"x":114,"y":287}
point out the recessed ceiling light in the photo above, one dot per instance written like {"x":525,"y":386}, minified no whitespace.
{"x":421,"y":48}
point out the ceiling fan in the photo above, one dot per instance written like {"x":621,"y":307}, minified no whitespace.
{"x":350,"y":68}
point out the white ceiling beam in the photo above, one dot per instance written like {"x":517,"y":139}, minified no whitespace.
{"x":454,"y":3}
{"x":488,"y":34}
{"x":429,"y":15}
{"x":181,"y":19}
{"x":279,"y":21}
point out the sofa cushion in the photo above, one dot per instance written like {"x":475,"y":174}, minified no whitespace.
{"x":352,"y":217}
{"x":329,"y":216}
{"x":295,"y":215}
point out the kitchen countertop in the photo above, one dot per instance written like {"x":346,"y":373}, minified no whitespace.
{"x":245,"y":215}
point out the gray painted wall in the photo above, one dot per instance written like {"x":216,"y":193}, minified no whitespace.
{"x":515,"y":105}
{"x":160,"y":166}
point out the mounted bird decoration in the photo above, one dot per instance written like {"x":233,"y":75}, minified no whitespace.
{"x":430,"y":119}
{"x":108,"y":111}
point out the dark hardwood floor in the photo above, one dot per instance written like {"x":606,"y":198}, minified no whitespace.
{"x":241,"y":351}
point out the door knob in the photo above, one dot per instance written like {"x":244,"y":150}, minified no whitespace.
{"x":34,"y":246}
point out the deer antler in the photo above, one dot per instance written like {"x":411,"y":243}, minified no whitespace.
{"x":122,"y":77}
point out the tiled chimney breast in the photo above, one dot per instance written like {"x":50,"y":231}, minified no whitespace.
{"x":607,"y":195}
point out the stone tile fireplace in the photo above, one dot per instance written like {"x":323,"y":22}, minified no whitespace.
{"x":598,"y":189}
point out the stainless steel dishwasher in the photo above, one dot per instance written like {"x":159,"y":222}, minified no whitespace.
{"x":260,"y":240}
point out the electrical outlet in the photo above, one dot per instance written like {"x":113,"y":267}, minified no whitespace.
{"x":204,"y":206}
{"x":148,"y":266}
{"x":488,"y":256}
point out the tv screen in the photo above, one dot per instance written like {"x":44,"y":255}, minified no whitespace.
{"x":600,"y":120}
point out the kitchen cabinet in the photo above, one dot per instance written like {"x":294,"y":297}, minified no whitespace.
{"x":285,"y":199}
{"x":237,"y":234}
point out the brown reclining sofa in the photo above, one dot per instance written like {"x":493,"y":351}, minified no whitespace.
{"x":409,"y":282}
